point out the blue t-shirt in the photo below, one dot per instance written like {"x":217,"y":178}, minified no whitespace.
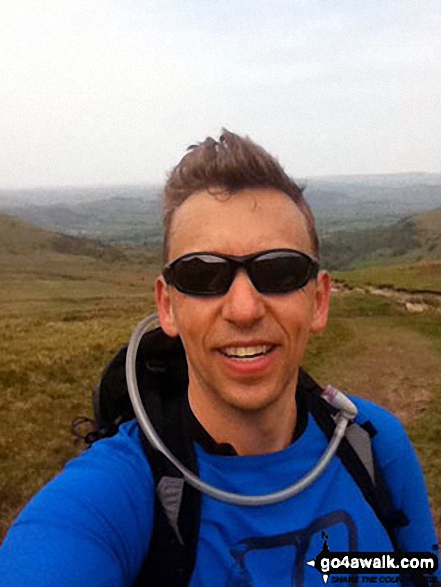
{"x":91,"y":525}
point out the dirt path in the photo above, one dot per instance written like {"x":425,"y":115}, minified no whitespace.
{"x":414,"y":302}
{"x":394,"y":367}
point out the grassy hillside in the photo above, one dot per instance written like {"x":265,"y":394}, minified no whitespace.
{"x":424,"y":276}
{"x":417,"y":270}
{"x":38,"y":266}
{"x":428,"y":231}
{"x":409,"y":240}
{"x":24,"y":245}
{"x":18,"y":237}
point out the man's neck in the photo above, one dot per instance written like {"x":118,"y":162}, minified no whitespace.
{"x":250,"y":433}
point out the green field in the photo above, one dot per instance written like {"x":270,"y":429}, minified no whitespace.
{"x":424,"y":276}
{"x":62,"y":317}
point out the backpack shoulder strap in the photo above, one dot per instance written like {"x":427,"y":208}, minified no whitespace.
{"x":172,"y":552}
{"x":355,"y":452}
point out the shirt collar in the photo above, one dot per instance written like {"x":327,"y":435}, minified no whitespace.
{"x":202,"y":437}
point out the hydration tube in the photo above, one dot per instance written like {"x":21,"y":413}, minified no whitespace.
{"x":346,"y":412}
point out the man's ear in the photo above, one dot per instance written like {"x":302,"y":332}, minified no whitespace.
{"x":164,"y":306}
{"x":321,"y":302}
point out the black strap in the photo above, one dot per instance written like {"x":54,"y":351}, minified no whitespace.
{"x":172,"y":554}
{"x":374,"y":491}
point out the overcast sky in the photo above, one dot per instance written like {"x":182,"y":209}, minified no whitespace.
{"x":112,"y":91}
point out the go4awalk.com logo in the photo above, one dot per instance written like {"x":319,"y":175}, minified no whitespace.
{"x":377,"y":564}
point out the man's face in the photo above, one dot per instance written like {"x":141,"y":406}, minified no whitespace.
{"x":216,"y":330}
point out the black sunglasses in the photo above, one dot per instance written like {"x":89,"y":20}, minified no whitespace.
{"x":271,"y":272}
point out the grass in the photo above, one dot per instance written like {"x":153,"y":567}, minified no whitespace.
{"x":428,"y":232}
{"x":50,"y":361}
{"x":62,"y":318}
{"x":424,"y":276}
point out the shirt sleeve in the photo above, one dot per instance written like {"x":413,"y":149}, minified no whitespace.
{"x":91,"y":525}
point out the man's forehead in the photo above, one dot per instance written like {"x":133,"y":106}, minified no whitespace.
{"x":239,"y":223}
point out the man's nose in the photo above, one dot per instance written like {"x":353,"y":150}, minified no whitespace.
{"x":243,"y":304}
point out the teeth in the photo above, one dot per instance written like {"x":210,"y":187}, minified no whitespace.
{"x":246,"y":351}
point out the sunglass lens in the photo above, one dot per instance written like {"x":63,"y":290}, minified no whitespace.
{"x":280,"y":272}
{"x":202,"y":275}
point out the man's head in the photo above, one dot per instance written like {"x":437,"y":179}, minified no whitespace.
{"x":243,"y":344}
{"x":231,"y":164}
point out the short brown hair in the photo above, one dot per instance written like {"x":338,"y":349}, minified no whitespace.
{"x":231,"y":164}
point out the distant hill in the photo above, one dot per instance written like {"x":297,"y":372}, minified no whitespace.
{"x":410,"y":239}
{"x":345,"y":202}
{"x":118,"y":219}
{"x":74,"y":195}
{"x":19,"y":238}
{"x":132,"y":214}
{"x":382,"y":180}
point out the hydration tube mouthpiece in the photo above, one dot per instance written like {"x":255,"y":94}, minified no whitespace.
{"x":338,"y":400}
{"x":347,"y":411}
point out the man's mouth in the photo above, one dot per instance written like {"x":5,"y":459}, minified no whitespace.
{"x":246,"y":353}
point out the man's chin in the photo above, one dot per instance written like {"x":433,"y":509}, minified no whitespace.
{"x":248,"y":398}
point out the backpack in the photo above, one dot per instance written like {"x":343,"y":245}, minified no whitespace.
{"x":161,"y":369}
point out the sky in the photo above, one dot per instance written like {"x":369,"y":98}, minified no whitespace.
{"x":102,"y":92}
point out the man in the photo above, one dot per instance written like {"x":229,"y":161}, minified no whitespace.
{"x":243,"y":292}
